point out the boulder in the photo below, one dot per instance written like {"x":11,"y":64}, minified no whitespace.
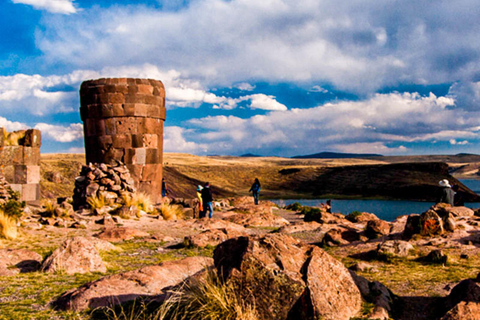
{"x":436,"y":256}
{"x":149,"y":281}
{"x":287,"y":279}
{"x":412,"y":226}
{"x":361,"y":217}
{"x":362,"y":267}
{"x":211,"y":237}
{"x":300,"y":227}
{"x":121,"y":234}
{"x":461,"y":212}
{"x":75,"y":255}
{"x":397,"y":248}
{"x":340,"y":236}
{"x":464,"y":311}
{"x":466,"y":291}
{"x":377,"y":228}
{"x":13,"y":261}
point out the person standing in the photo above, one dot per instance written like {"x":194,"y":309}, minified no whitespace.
{"x":207,"y":200}
{"x":448,"y":194}
{"x":164,"y":188}
{"x":200,"y":201}
{"x":255,"y":189}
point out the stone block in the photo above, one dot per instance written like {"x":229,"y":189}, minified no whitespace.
{"x":140,"y":155}
{"x":30,"y":192}
{"x":150,"y":125}
{"x":145,"y":89}
{"x":118,"y":110}
{"x":31,"y":156}
{"x":106,"y":110}
{"x":126,"y":125}
{"x":110,"y":88}
{"x":163,"y":113}
{"x":105,"y":142}
{"x":110,"y":126}
{"x":33,"y":138}
{"x":153,"y":111}
{"x":122,"y":141}
{"x":129,"y":109}
{"x":150,"y":172}
{"x":9,"y":173}
{"x":93,"y":111}
{"x":90,"y":127}
{"x":141,"y":110}
{"x":16,"y":187}
{"x":145,"y":140}
{"x":151,"y":156}
{"x":26,"y":174}
{"x":100,"y":128}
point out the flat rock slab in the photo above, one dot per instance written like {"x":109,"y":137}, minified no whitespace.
{"x":121,"y":234}
{"x":213,"y":237}
{"x":148,"y":281}
{"x":18,"y":261}
{"x":262,"y":219}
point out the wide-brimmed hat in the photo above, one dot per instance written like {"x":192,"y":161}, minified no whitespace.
{"x":444,"y":183}
{"x":199,"y":188}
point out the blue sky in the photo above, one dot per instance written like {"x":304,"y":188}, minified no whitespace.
{"x":271,"y":77}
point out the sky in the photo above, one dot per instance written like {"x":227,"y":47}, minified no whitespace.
{"x":270,"y":77}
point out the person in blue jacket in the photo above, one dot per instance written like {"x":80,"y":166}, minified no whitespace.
{"x":255,"y":189}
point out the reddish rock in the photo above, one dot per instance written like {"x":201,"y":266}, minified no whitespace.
{"x":261,"y":219}
{"x":431,"y":224}
{"x":361,"y":217}
{"x":300,"y":227}
{"x":287,"y":279}
{"x":464,"y":311}
{"x":121,"y":234}
{"x":212,"y":237}
{"x":75,"y":255}
{"x":377,"y":228}
{"x":465,"y":291}
{"x":461,"y":212}
{"x":119,"y":288}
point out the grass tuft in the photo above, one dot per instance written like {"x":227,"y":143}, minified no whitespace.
{"x":96,"y":202}
{"x":171,"y":212}
{"x":8,"y":226}
{"x":140,"y":200}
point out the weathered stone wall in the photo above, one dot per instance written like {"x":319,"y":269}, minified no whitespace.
{"x":20,"y":161}
{"x":123,"y":120}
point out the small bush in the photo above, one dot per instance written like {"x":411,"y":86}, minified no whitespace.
{"x":311,"y":214}
{"x":96,"y":202}
{"x":8,"y":226}
{"x":13,"y":207}
{"x":50,"y":207}
{"x":352,"y":215}
{"x":294,"y":206}
{"x":170,"y":212}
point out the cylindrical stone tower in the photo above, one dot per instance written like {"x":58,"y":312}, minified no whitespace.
{"x":123,"y":120}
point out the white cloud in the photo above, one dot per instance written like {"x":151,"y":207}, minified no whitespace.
{"x":384,"y":123}
{"x":318,"y":89}
{"x":53,"y":6}
{"x":454,"y":142}
{"x":61,"y":133}
{"x":245,"y":86}
{"x":264,"y":102}
{"x":353,"y":46}
{"x":12,"y":125}
{"x":174,"y":141}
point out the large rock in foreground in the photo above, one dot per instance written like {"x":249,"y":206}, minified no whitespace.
{"x":18,"y":261}
{"x":75,"y":255}
{"x":287,"y":279}
{"x":119,"y":288}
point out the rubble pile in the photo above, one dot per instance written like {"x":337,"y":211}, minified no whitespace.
{"x":109,"y":181}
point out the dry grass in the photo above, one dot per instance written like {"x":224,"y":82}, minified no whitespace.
{"x":97,"y":202}
{"x":171,"y":212}
{"x":140,"y":200}
{"x":49,"y":207}
{"x":8,"y":226}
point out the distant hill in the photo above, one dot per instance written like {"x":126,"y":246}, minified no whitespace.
{"x":337,"y":155}
{"x":251,"y":155}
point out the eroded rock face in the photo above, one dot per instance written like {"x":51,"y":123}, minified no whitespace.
{"x":75,"y":255}
{"x":119,"y":288}
{"x":287,"y":279}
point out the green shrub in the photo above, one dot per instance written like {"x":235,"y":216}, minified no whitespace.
{"x":311,"y":214}
{"x":352,"y":215}
{"x":294,"y":206}
{"x":13,"y":207}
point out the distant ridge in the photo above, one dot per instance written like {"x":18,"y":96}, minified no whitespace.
{"x":337,"y":155}
{"x":246,"y":155}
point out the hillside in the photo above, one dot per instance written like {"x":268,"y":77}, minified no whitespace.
{"x":280,"y":177}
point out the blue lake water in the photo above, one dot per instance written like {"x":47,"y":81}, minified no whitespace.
{"x":384,"y":209}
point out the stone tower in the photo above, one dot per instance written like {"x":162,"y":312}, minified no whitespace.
{"x":123,"y":120}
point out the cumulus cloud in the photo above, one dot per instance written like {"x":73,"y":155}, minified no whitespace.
{"x":12,"y":125}
{"x":61,"y":133}
{"x":264,"y":102}
{"x":354,"y":46}
{"x":53,"y":6}
{"x":384,"y":123}
{"x":174,"y":141}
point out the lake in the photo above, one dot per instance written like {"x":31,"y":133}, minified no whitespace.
{"x":384,"y":209}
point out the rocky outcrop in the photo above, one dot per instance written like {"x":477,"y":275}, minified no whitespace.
{"x":75,"y":255}
{"x":105,"y":180}
{"x":150,"y":281}
{"x":300,"y":227}
{"x":287,"y":279}
{"x":463,"y":301}
{"x":259,"y":219}
{"x":377,"y":228}
{"x":464,"y":311}
{"x":396,"y":248}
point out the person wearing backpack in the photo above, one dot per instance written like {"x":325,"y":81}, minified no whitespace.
{"x":255,"y":189}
